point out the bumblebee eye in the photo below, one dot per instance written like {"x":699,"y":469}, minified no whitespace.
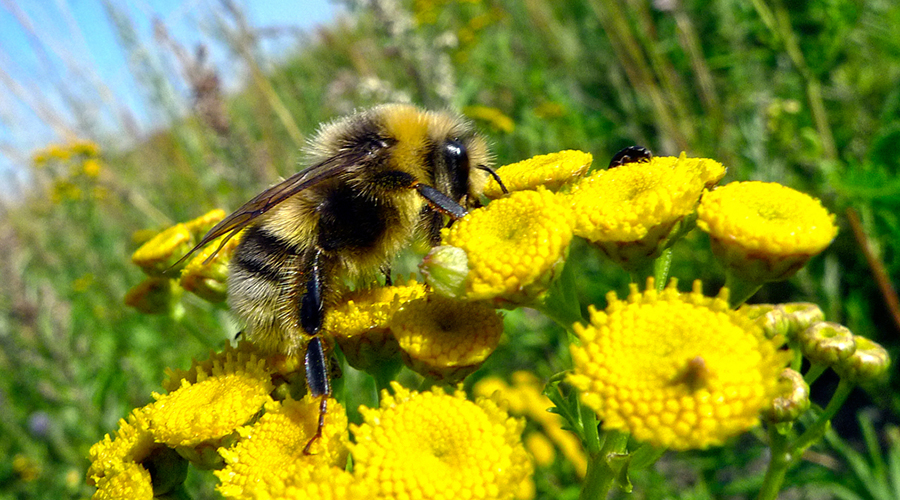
{"x":456,"y":158}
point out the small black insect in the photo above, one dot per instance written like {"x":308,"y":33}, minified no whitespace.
{"x":631,"y":154}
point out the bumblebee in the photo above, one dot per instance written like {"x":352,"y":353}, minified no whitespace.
{"x":377,"y":180}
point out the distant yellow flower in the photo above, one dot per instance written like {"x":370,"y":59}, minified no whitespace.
{"x":91,"y":167}
{"x":525,"y":397}
{"x":763,"y":231}
{"x":445,"y":338}
{"x":514,"y":247}
{"x":206,"y":273}
{"x":122,"y":454}
{"x":200,"y":225}
{"x":163,"y":250}
{"x":629,"y":212}
{"x":222,"y":399}
{"x":270,"y":451}
{"x":492,"y":116}
{"x":359,"y":322}
{"x":676,"y":370}
{"x":552,"y":171}
{"x":434,"y":445}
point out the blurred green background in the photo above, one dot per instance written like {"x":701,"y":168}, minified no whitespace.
{"x":803,"y":93}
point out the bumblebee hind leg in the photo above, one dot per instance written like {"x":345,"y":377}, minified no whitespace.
{"x":311,"y":318}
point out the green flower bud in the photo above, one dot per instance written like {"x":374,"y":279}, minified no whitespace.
{"x":445,"y":268}
{"x":869,"y":362}
{"x":801,"y":315}
{"x":826,"y":343}
{"x":792,"y":403}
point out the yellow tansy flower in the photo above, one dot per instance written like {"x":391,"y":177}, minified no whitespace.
{"x":763,"y":231}
{"x":514,"y":247}
{"x":359,"y":322}
{"x":115,"y":455}
{"x":133,"y":482}
{"x":444,"y":338}
{"x":163,"y":250}
{"x":222,"y":399}
{"x":320,"y":482}
{"x":676,"y":370}
{"x":270,"y":451}
{"x":492,"y":116}
{"x":552,"y":171}
{"x":206,"y":274}
{"x":166,"y":248}
{"x":630,"y":211}
{"x":434,"y":445}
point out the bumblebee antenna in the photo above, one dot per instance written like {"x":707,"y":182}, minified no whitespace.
{"x":493,"y":174}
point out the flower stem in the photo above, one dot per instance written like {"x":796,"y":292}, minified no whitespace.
{"x":778,"y":465}
{"x":600,"y":475}
{"x":785,"y":454}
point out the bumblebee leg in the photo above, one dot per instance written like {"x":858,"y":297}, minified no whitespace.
{"x":318,"y":383}
{"x":311,"y":307}
{"x":386,"y":271}
{"x":311,"y":317}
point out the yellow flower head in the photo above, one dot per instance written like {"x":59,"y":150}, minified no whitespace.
{"x":132,"y":482}
{"x":446,"y":338}
{"x":359,"y":322}
{"x":434,"y":445}
{"x":122,"y":455}
{"x":552,"y":171}
{"x":206,"y":274}
{"x":166,"y":248}
{"x":270,"y":451}
{"x":763,"y":231}
{"x":630,"y":211}
{"x":676,"y":370}
{"x":492,"y":116}
{"x":321,"y":482}
{"x":514,"y":247}
{"x":222,"y":398}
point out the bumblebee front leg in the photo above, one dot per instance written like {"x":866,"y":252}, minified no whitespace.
{"x":311,"y":318}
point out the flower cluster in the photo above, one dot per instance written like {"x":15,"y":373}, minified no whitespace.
{"x":73,"y":169}
{"x":221,"y":415}
{"x":665,"y":368}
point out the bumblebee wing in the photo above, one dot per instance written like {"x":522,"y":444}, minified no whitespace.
{"x":270,"y":198}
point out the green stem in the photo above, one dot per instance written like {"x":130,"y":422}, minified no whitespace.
{"x":778,"y":465}
{"x":661,"y":267}
{"x":785,"y":454}
{"x":815,"y":431}
{"x":600,"y":475}
{"x":815,"y":370}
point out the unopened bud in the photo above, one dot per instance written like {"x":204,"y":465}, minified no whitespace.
{"x":793,"y":400}
{"x":826,"y":343}
{"x":445,"y":268}
{"x":869,"y":362}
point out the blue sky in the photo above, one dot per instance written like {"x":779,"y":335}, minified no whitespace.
{"x":57,"y":56}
